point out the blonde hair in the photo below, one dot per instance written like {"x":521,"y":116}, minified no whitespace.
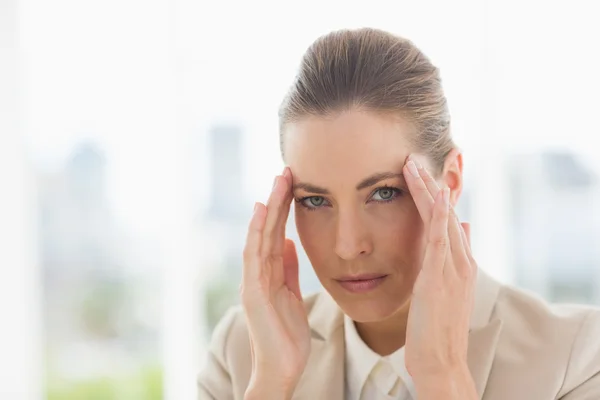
{"x":377,"y":71}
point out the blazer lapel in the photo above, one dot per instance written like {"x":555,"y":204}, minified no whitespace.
{"x":482,"y":348}
{"x":323,"y":377}
{"x":484,"y":333}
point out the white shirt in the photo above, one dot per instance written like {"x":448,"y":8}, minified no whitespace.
{"x":370,"y":376}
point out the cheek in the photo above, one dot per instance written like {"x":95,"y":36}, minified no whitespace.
{"x":315,"y":235}
{"x":399,"y":230}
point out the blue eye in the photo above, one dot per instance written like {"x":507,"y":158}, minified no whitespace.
{"x":385,"y":194}
{"x":312,"y":202}
{"x":382,"y":195}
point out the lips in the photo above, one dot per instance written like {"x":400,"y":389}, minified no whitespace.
{"x":361,"y":283}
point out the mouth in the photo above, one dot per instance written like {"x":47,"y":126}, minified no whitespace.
{"x":361,"y":283}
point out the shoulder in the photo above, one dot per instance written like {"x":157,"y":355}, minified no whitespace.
{"x":561,"y":342}
{"x":525,"y":312}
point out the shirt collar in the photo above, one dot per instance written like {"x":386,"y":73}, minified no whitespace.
{"x":398,"y":363}
{"x":360,"y":359}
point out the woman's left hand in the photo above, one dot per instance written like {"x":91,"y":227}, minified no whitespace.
{"x":442,"y":301}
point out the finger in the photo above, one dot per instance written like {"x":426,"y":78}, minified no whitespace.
{"x":252,"y":356}
{"x":438,"y":242}
{"x":457,"y":253}
{"x":459,"y":249}
{"x":290,"y":268}
{"x":467,"y":232}
{"x":275,"y":207}
{"x":466,"y":236}
{"x":454,"y":229}
{"x":428,"y":180}
{"x":279,"y":231}
{"x":459,"y":264}
{"x":252,"y":265}
{"x":423,"y":199}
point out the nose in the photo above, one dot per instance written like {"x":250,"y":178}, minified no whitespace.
{"x":352,"y":237}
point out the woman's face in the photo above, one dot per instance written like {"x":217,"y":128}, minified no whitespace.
{"x":355,"y":216}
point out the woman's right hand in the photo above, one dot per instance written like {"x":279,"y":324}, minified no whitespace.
{"x":270,"y":293}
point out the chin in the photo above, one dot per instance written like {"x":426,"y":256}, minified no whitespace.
{"x":370,"y":309}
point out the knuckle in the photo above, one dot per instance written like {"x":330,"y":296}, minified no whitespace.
{"x":422,"y":191}
{"x":267,"y":244}
{"x":426,"y":177}
{"x":464,"y":271}
{"x":248,"y":253}
{"x":455,"y":218}
{"x":275,"y":206}
{"x":440,"y":242}
{"x":244,"y":294}
{"x":421,"y":187}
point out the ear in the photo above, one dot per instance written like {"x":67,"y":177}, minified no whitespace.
{"x":452,"y":175}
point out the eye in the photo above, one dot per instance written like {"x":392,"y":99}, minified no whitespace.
{"x":385,"y":194}
{"x":313,"y":202}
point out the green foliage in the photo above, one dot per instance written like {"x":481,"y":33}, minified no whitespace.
{"x":145,"y":385}
{"x":102,"y":308}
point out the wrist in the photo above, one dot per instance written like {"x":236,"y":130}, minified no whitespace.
{"x":268,"y":390}
{"x":447,"y":384}
{"x":263,"y":393}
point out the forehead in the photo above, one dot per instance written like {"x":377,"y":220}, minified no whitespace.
{"x":350,"y":145}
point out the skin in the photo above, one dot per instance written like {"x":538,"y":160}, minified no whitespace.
{"x":352,"y":220}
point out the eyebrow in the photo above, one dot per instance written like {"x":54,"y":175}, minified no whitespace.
{"x":365,"y":183}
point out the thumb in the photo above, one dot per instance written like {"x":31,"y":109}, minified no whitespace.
{"x":290,"y":268}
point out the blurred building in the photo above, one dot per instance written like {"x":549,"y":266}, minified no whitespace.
{"x":77,"y":229}
{"x":555,"y":226}
{"x":229,"y":207}
{"x":226,"y":196}
{"x":89,"y":300}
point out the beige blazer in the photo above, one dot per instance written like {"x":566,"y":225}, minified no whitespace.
{"x":520,"y":348}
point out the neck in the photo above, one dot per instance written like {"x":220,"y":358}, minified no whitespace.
{"x":386,"y":336}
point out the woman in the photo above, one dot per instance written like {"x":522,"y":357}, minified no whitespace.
{"x":406,"y":314}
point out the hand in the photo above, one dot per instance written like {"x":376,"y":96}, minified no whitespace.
{"x":442,"y":301}
{"x":270,"y":293}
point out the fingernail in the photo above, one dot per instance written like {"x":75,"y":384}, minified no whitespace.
{"x":446,"y":195}
{"x":274,"y":182}
{"x":287,"y":173}
{"x":412,"y":168}
{"x":255,"y":208}
{"x":414,"y":159}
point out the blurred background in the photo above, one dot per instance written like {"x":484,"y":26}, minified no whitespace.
{"x":135,"y":137}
